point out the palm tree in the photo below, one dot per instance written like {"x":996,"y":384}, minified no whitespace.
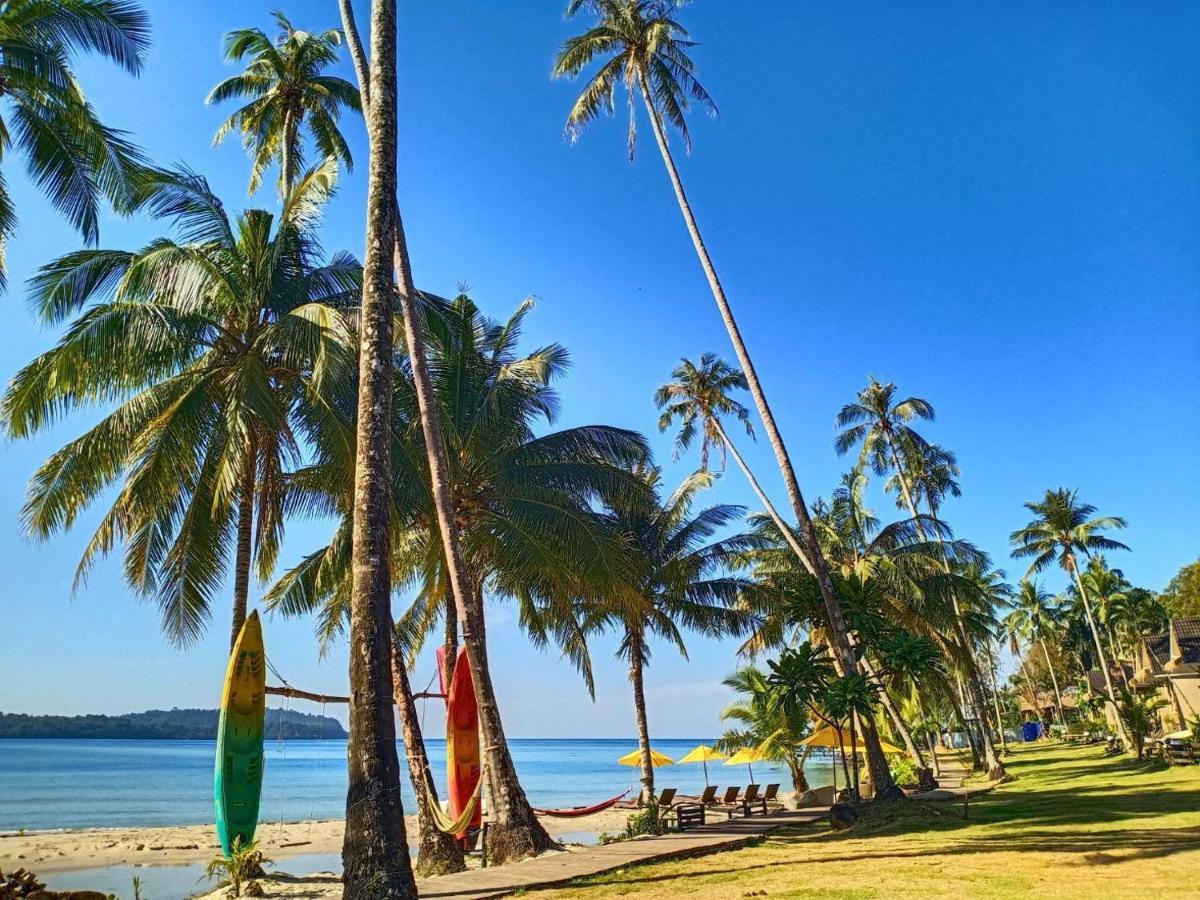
{"x":1033,"y":618}
{"x":879,"y":424}
{"x":765,"y":724}
{"x":217,"y":346}
{"x":1063,"y":528}
{"x":698,"y":397}
{"x":681,"y":581}
{"x":287,"y":89}
{"x":71,"y":155}
{"x":524,"y":501}
{"x":375,"y":860}
{"x":647,"y":51}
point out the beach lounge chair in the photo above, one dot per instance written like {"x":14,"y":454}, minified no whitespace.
{"x":752,"y":802}
{"x":709,"y":796}
{"x":772,"y":795}
{"x":667,"y":798}
{"x":731,"y":795}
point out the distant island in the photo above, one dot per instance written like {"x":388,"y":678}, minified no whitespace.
{"x":164,"y":724}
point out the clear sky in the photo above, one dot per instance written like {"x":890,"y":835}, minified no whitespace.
{"x":995,"y":207}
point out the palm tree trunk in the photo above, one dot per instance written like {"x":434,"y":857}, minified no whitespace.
{"x":880,"y":774}
{"x":514,"y":831}
{"x":639,"y":708}
{"x":995,"y":768}
{"x":788,"y":534}
{"x":933,"y":757}
{"x":893,"y":713}
{"x":375,"y":859}
{"x":956,"y":703}
{"x":1100,"y":657}
{"x":245,"y":546}
{"x":1033,"y":691}
{"x":449,"y":641}
{"x":438,"y":853}
{"x":996,"y":698}
{"x":1062,"y":719}
{"x":287,"y":154}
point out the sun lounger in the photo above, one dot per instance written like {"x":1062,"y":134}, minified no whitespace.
{"x":731,"y":795}
{"x":749,"y":803}
{"x":709,"y":796}
{"x":772,"y":795}
{"x":667,"y":798}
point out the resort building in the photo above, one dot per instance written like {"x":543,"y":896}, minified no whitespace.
{"x":1170,"y":664}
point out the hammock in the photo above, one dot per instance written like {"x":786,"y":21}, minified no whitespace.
{"x":455,"y":826}
{"x":577,"y":811}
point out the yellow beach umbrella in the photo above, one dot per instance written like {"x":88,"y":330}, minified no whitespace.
{"x":656,"y":759}
{"x":745,"y":756}
{"x":828,"y":737}
{"x":703,"y":754}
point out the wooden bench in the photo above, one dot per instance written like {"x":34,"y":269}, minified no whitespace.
{"x":687,"y":815}
{"x":1180,"y":752}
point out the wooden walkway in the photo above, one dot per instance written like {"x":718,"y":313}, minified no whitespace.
{"x":559,"y":868}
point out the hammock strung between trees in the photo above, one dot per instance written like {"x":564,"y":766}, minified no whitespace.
{"x":577,"y":811}
{"x":454,"y":826}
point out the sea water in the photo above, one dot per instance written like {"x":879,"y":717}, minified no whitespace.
{"x":47,"y":784}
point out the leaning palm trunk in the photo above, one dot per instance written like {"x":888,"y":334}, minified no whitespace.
{"x":784,"y":529}
{"x":996,"y":697}
{"x":375,"y":859}
{"x":1062,"y":719}
{"x":995,"y":768}
{"x":1100,"y":656}
{"x":438,"y":853}
{"x":881,"y":776}
{"x":956,"y":704}
{"x":636,"y":666}
{"x":514,"y":831}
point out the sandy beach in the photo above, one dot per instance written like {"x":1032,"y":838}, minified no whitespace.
{"x":59,"y":851}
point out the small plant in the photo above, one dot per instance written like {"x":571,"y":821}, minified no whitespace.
{"x":244,"y":863}
{"x":904,"y":771}
{"x":646,"y":821}
{"x":1195,"y":724}
{"x":1138,"y":716}
{"x":137,"y":888}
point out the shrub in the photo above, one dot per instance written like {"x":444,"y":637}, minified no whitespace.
{"x":244,"y":862}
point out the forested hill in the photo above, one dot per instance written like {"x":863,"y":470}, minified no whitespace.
{"x":164,"y":724}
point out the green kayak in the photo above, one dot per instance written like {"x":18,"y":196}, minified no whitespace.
{"x":237,"y":785}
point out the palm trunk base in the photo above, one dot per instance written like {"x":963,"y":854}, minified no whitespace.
{"x":511,"y":842}
{"x":438,"y":853}
{"x":926,"y":781}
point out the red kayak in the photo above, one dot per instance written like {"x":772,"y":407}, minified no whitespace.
{"x":462,"y":739}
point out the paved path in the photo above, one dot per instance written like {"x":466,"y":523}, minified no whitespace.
{"x":480,"y":884}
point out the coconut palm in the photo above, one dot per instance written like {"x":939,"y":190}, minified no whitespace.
{"x":1033,"y":618}
{"x":524,"y":500}
{"x":375,"y":860}
{"x":697,"y":397}
{"x":646,"y":49}
{"x":71,"y":155}
{"x":1063,"y":528}
{"x":286,"y":89}
{"x":216,"y":345}
{"x":681,"y":581}
{"x":878,"y":424}
{"x":764,"y":724}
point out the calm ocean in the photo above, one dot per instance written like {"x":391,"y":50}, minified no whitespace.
{"x":82,"y":784}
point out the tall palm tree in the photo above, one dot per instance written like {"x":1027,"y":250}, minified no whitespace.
{"x":524,"y":501}
{"x":72,"y":156}
{"x":1063,"y":528}
{"x":682,"y":581}
{"x":879,"y":425}
{"x":218,"y":345}
{"x":287,"y":89}
{"x":698,"y":396}
{"x":375,"y":860}
{"x":514,"y":829}
{"x":1033,"y":617}
{"x":645,"y":48}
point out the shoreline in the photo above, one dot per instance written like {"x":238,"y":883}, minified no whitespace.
{"x":66,"y":850}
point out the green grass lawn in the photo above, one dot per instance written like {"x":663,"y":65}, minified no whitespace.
{"x":1075,"y":823}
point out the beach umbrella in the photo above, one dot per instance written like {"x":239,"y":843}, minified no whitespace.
{"x":745,"y":756}
{"x":828,"y":737}
{"x":703,"y":754}
{"x":656,"y":759}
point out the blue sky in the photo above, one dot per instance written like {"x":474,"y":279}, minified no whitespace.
{"x":996,"y":208}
